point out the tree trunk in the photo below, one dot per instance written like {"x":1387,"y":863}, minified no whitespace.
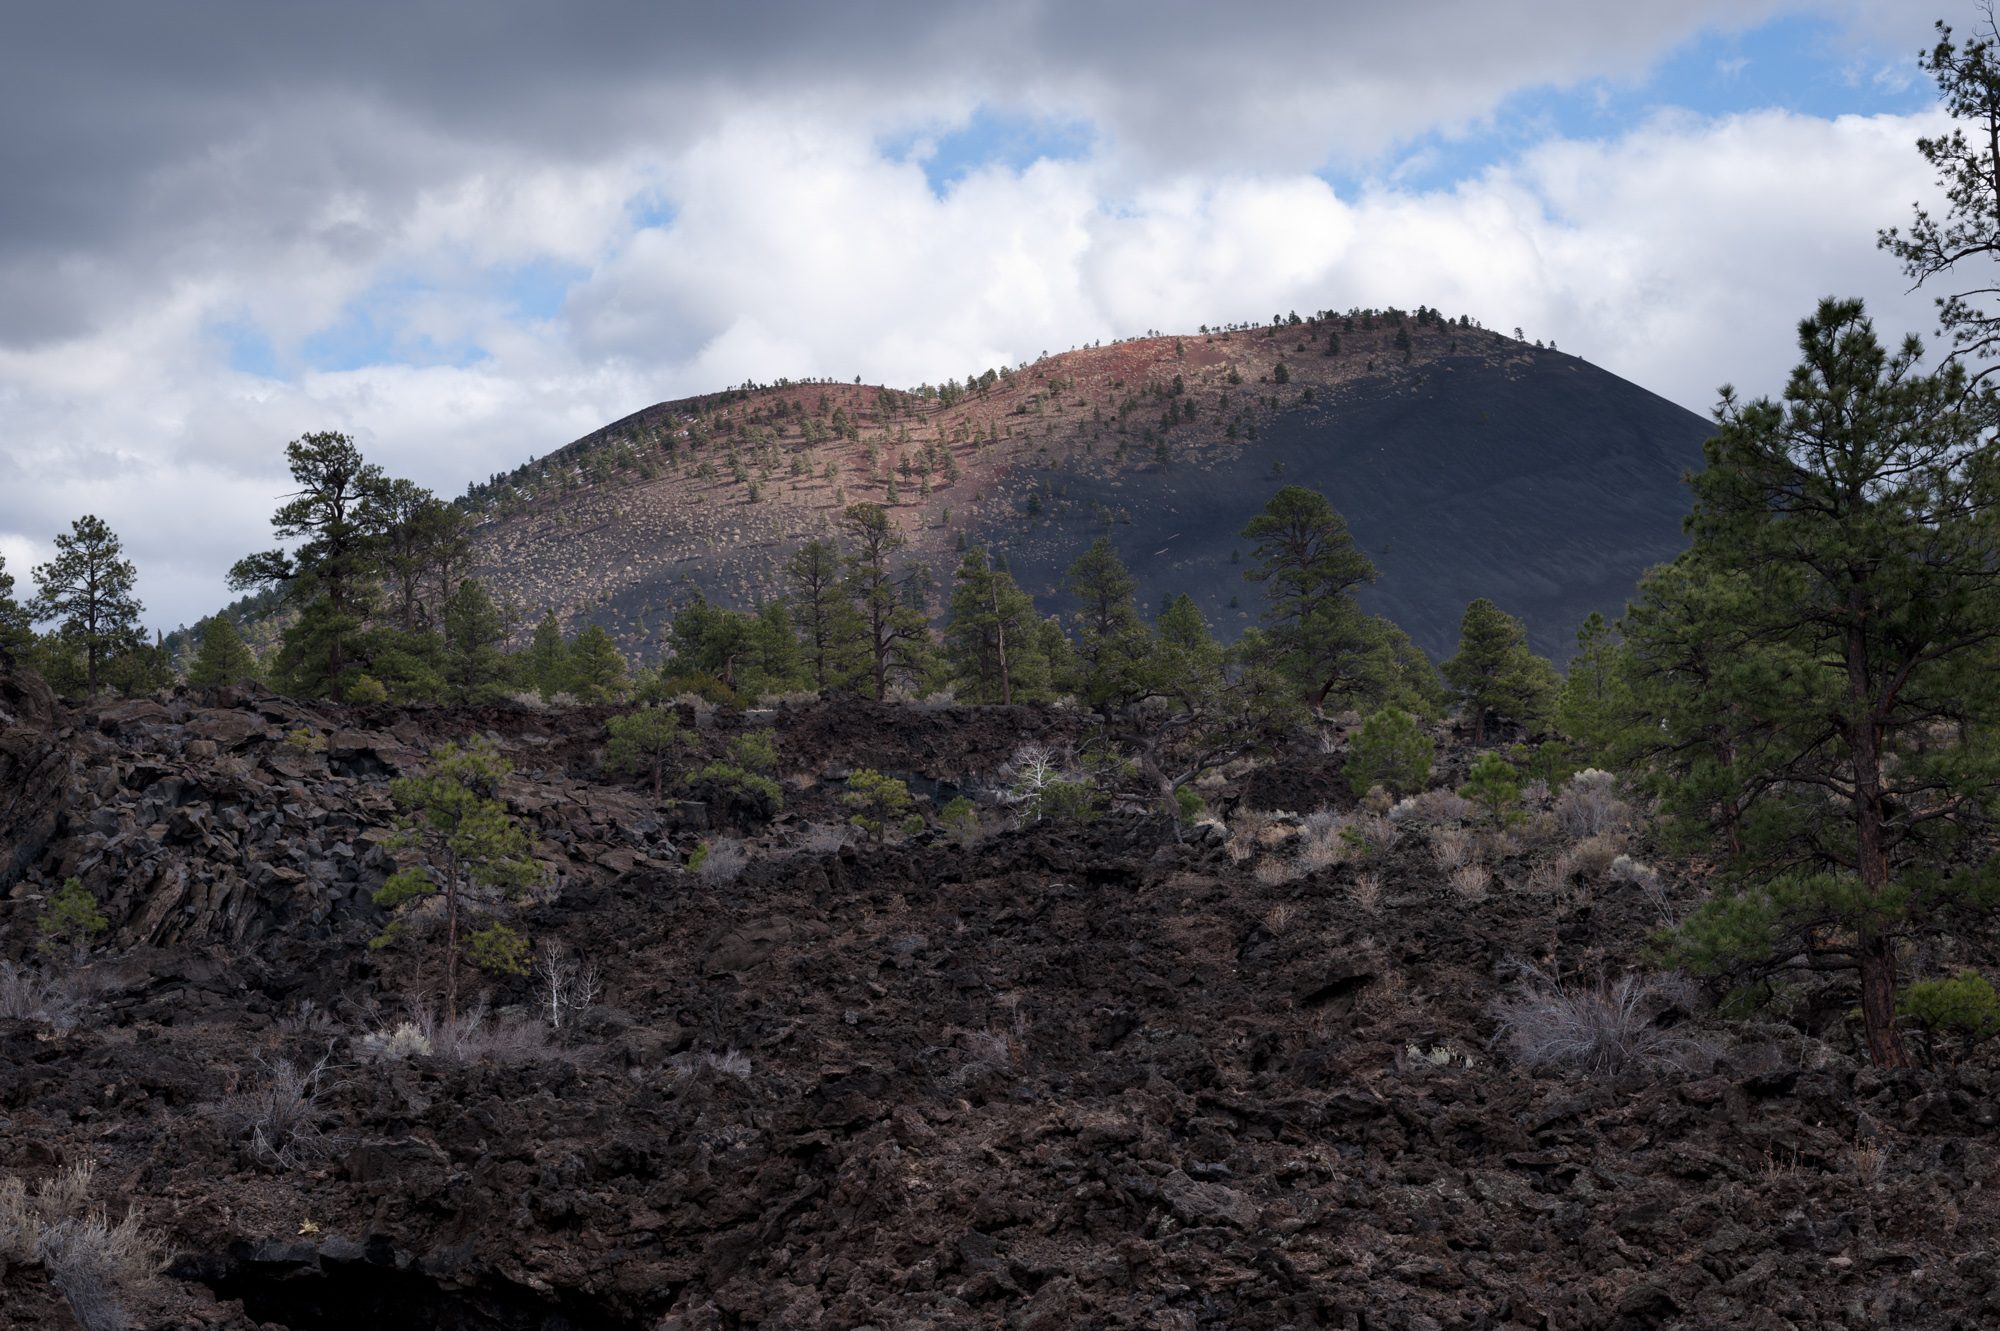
{"x":451,"y":943}
{"x":1871,"y":861}
{"x":1000,"y":639}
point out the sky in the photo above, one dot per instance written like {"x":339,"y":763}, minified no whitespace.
{"x":469,"y":232}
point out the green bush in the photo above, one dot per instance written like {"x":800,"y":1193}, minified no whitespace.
{"x":737,"y":794}
{"x":1492,"y":784}
{"x":498,"y":950}
{"x":1963,"y":1006}
{"x":1189,"y":804}
{"x":960,"y":820}
{"x":877,"y":801}
{"x":1393,"y":751}
{"x":72,"y":918}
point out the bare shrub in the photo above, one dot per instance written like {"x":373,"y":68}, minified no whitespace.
{"x":724,"y":862}
{"x":1471,"y":881}
{"x":528,"y":700}
{"x":1603,"y":1027}
{"x":1646,"y":879}
{"x":1440,"y":807}
{"x":1534,"y":794}
{"x":1377,"y":833}
{"x":991,"y":1053}
{"x":96,"y":1265}
{"x":825,"y":838}
{"x":566,"y":985}
{"x":1317,"y":851}
{"x":789,"y":698}
{"x":1278,"y":919}
{"x":1451,"y":848}
{"x":1272,"y":871}
{"x":1552,"y":875}
{"x":27,"y":994}
{"x":306,"y":1018}
{"x":729,"y":1063}
{"x":1368,"y":890}
{"x":281,"y":1115}
{"x":404,"y":1040}
{"x":1589,"y":805}
{"x":476,"y":1037}
{"x":1593,"y":856}
{"x":1323,"y":822}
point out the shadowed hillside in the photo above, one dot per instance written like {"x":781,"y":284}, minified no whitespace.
{"x":1467,"y":463}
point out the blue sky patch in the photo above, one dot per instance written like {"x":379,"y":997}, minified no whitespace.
{"x":249,"y":350}
{"x":1804,"y":64}
{"x":539,"y":288}
{"x":992,"y":138}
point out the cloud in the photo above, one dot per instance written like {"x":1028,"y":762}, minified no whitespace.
{"x":467,"y":243}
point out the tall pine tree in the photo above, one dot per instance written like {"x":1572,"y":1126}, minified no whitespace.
{"x":87,"y":589}
{"x":1842,"y":602}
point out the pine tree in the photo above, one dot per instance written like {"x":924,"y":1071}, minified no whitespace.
{"x":223,"y":658}
{"x":644,"y":742}
{"x":16,"y":631}
{"x":475,"y":670}
{"x":595,"y":670}
{"x":895,"y":636}
{"x":333,"y":577}
{"x":992,"y":639}
{"x":87,"y":587}
{"x":1316,"y":632}
{"x":545,"y":664}
{"x":1594,"y":701}
{"x":1818,"y":667}
{"x":1114,"y":648}
{"x":1968,"y":175}
{"x":472,"y":852}
{"x":1391,"y":751}
{"x":1494,"y":673}
{"x":824,"y":615}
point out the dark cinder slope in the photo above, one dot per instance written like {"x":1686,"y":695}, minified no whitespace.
{"x":1545,"y":484}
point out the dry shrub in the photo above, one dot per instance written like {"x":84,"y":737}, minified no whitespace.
{"x":27,"y":994}
{"x":1246,"y":832}
{"x":825,"y":838}
{"x":282,"y":1114}
{"x":1552,"y":875}
{"x":1451,"y":848}
{"x":1603,"y":1027}
{"x":1437,"y":808}
{"x":475,"y":1037}
{"x":1593,"y":856}
{"x":1377,"y":833}
{"x":1368,"y":890}
{"x":1272,"y":871}
{"x":96,"y":1265}
{"x":1323,"y":822}
{"x":1278,"y":919}
{"x":788,"y":698}
{"x":729,"y":1063}
{"x":1471,"y":881}
{"x":1534,"y":794}
{"x":724,"y":862}
{"x":1589,"y":805}
{"x":1378,"y":801}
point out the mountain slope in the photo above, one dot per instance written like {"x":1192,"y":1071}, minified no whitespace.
{"x":1467,"y":463}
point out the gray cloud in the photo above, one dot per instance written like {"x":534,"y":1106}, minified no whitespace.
{"x":172,"y":170}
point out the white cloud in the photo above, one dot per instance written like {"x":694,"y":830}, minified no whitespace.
{"x":1679,"y":254}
